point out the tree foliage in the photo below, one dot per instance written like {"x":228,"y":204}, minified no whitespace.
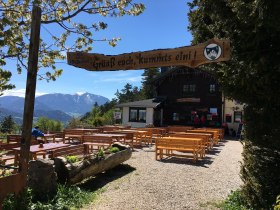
{"x":8,"y":124}
{"x":49,"y":125}
{"x":100,"y":115}
{"x":75,"y":122}
{"x":253,"y":30}
{"x":5,"y":77}
{"x":69,"y":24}
{"x":129,"y":93}
{"x":148,"y":90}
{"x":251,"y":76}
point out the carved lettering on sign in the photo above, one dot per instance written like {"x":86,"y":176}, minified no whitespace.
{"x":214,"y":50}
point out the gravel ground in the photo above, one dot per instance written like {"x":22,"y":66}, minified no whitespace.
{"x":142,"y":183}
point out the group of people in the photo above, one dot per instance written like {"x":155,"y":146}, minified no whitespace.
{"x":199,"y":121}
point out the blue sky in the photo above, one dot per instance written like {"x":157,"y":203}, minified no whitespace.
{"x":162,"y":25}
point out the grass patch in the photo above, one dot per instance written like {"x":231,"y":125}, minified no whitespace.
{"x":234,"y":201}
{"x":70,"y":197}
{"x":67,"y":198}
{"x":212,"y":205}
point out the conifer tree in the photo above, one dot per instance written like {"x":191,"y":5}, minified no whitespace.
{"x":252,"y":77}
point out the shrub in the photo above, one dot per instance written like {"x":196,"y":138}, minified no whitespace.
{"x":100,"y":154}
{"x":23,"y":202}
{"x":114,"y":150}
{"x":5,"y":173}
{"x":235,"y":201}
{"x":277,"y":205}
{"x":71,"y":158}
{"x":67,"y":197}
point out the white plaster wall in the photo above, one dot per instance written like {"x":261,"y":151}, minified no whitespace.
{"x":125,"y":115}
{"x":149,"y":116}
{"x":229,"y":104}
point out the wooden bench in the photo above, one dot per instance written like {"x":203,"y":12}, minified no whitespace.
{"x":59,"y":136}
{"x":16,"y":138}
{"x":207,"y":140}
{"x":166,"y":146}
{"x":148,"y":137}
{"x":9,"y":154}
{"x":176,"y":128}
{"x":13,"y":138}
{"x":221,"y":132}
{"x":7,"y":159}
{"x":93,"y":143}
{"x":215,"y":134}
{"x":109,"y":128}
{"x":71,"y":135}
{"x":78,"y":150}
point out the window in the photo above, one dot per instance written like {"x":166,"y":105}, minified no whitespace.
{"x":212,"y":88}
{"x":189,"y":88}
{"x":175,"y":116}
{"x":237,"y":116}
{"x":213,"y":111}
{"x":137,"y":115}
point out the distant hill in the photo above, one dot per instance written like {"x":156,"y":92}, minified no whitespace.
{"x":55,"y":106}
{"x":6,"y":112}
{"x":70,"y":104}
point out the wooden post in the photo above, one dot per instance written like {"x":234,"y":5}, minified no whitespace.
{"x":30,"y":91}
{"x":16,"y":183}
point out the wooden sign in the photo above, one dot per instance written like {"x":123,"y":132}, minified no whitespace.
{"x":192,"y":100}
{"x":214,"y":50}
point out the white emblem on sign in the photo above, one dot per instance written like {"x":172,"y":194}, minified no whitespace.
{"x":212,"y":52}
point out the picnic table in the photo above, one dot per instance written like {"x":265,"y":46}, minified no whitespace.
{"x":215,"y":134}
{"x":38,"y":149}
{"x":114,"y":136}
{"x":128,"y":136}
{"x":139,"y":136}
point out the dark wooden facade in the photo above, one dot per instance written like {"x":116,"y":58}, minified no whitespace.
{"x":189,"y":93}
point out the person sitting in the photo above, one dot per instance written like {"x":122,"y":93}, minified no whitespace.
{"x":37,"y":133}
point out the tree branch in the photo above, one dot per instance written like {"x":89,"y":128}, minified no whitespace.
{"x":69,"y":16}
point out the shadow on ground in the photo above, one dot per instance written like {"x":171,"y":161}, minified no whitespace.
{"x":100,"y":180}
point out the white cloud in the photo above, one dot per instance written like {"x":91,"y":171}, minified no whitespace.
{"x":80,"y":93}
{"x":19,"y":93}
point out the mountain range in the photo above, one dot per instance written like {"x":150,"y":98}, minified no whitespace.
{"x":55,"y":106}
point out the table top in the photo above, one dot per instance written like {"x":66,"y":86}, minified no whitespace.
{"x":49,"y":135}
{"x":194,"y":133}
{"x":189,"y":132}
{"x":84,"y":129}
{"x":202,"y":131}
{"x":183,"y":138}
{"x":135,"y":131}
{"x":47,"y":146}
{"x":109,"y":134}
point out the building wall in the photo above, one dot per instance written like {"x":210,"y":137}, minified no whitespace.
{"x":184,"y":103}
{"x":231,"y":108}
{"x":149,"y":118}
{"x":125,"y":115}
